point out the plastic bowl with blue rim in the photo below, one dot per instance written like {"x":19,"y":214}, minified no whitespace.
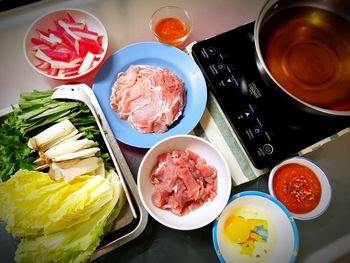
{"x":255,"y":227}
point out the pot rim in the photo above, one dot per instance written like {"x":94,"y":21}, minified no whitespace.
{"x":274,"y":4}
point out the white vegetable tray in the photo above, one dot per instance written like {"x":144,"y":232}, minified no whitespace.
{"x":133,"y":217}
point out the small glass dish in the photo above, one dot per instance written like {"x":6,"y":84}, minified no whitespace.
{"x":171,"y":25}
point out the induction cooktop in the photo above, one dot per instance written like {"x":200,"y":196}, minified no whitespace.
{"x":267,"y":125}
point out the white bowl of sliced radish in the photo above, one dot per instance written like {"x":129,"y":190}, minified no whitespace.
{"x":184,"y":182}
{"x":66,"y":44}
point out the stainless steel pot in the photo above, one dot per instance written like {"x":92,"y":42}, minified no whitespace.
{"x":309,"y":64}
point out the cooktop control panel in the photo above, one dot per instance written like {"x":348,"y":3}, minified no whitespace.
{"x":269,"y":128}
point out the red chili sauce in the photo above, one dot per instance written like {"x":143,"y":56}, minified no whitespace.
{"x":170,"y":30}
{"x":297,"y":187}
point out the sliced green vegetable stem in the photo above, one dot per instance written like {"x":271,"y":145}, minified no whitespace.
{"x":63,"y":107}
{"x":36,"y":94}
{"x":35,"y":112}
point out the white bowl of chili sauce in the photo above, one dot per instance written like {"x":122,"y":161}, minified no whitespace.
{"x":301,"y":186}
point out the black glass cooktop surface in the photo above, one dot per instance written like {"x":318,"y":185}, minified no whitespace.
{"x":267,"y":125}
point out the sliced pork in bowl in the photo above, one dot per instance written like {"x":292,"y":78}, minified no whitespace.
{"x":184,"y":182}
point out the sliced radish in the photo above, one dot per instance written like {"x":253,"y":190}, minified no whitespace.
{"x":74,"y":63}
{"x":52,"y":71}
{"x":91,"y":45}
{"x":67,"y":29}
{"x":58,"y":64}
{"x":85,"y":34}
{"x":68,"y":49}
{"x":43,"y":65}
{"x":37,"y":41}
{"x":70,"y":71}
{"x":69,"y":24}
{"x":41,"y":55}
{"x":57,"y":55}
{"x":52,"y":39}
{"x":42,"y":32}
{"x":70,"y":18}
{"x":68,"y":40}
{"x":73,"y":54}
{"x":86,"y":63}
{"x":36,"y":47}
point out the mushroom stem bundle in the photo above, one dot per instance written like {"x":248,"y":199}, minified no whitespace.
{"x":67,"y":147}
{"x":51,"y":135}
{"x":71,"y":169}
{"x":66,"y":156}
{"x":74,"y":155}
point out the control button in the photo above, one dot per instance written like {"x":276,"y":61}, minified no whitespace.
{"x":258,"y":130}
{"x":221,"y":66}
{"x":228,"y":81}
{"x":268,"y":148}
{"x":248,"y":114}
{"x":211,"y":51}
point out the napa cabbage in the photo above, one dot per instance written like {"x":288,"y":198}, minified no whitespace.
{"x":58,"y":221}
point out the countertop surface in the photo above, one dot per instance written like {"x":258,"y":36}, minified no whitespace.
{"x":324,"y":239}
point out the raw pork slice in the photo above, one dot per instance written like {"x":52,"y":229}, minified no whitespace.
{"x":183,"y":182}
{"x":150,"y":98}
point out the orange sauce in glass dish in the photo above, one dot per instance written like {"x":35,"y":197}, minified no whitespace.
{"x":297,"y":187}
{"x":171,"y":31}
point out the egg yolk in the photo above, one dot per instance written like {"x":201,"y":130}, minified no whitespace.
{"x":236,"y":229}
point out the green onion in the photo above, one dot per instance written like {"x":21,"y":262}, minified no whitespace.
{"x":35,"y":112}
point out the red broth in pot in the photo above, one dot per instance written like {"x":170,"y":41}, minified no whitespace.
{"x":307,"y":51}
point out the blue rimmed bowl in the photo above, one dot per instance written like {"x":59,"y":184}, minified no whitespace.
{"x":255,"y":227}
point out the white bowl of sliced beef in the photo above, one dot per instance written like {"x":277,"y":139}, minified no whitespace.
{"x":184,"y":182}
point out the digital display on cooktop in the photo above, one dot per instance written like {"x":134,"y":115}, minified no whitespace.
{"x":267,"y":125}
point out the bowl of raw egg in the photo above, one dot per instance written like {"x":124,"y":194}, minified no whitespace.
{"x":255,"y":227}
{"x":302,"y":186}
{"x":171,"y":25}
